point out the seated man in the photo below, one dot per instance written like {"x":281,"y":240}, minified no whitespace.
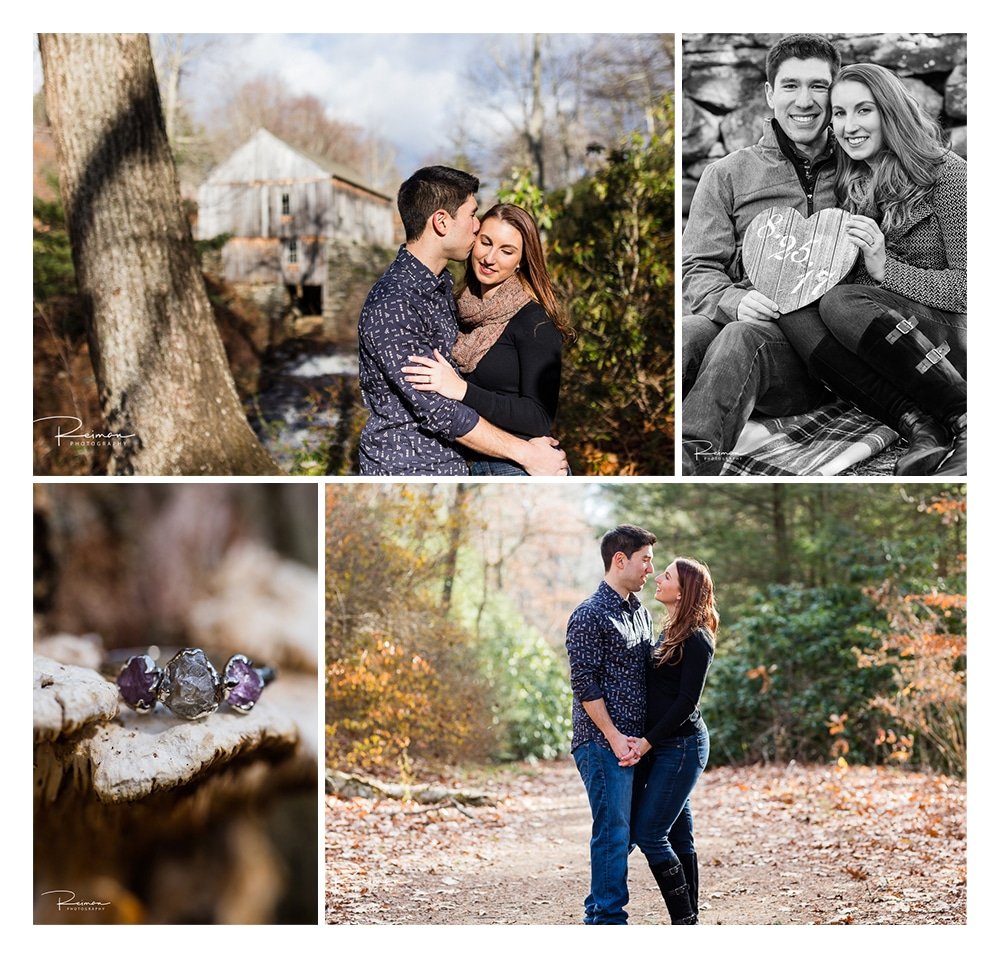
{"x":735,"y":358}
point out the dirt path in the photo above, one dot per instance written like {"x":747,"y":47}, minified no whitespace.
{"x":790,"y":845}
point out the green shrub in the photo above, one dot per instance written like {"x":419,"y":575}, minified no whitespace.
{"x":783,"y":673}
{"x":531,"y":699}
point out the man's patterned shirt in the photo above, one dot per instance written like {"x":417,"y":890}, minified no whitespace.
{"x":409,"y":312}
{"x":608,"y":641}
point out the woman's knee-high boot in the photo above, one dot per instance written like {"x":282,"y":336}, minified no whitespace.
{"x":690,"y":865}
{"x":893,"y":344}
{"x":673,"y":886}
{"x":853,"y":379}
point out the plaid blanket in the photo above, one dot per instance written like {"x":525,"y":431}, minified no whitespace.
{"x":823,"y":442}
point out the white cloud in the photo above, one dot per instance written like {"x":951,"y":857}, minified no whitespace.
{"x":402,"y":87}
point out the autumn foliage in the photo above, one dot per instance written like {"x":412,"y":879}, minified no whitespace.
{"x":925,"y":646}
{"x":383,"y":699}
{"x":428,"y":662}
{"x":395,"y":685}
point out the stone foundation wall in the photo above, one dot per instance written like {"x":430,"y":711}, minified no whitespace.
{"x":723,"y":105}
{"x":351,"y":269}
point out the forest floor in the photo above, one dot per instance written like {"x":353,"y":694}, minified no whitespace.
{"x":777,"y":845}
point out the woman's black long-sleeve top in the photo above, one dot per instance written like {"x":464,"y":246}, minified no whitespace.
{"x":673,"y":690}
{"x":515,"y":386}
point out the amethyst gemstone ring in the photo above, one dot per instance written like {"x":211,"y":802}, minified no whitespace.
{"x":189,"y":684}
{"x":139,"y":683}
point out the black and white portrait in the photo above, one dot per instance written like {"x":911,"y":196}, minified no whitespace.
{"x":824,"y":254}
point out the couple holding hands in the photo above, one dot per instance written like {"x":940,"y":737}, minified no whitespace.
{"x":639,"y":740}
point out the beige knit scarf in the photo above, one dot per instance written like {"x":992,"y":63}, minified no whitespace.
{"x":481,"y":322}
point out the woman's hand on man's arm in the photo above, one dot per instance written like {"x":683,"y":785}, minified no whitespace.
{"x":435,"y":375}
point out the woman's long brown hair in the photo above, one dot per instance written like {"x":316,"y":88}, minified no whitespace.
{"x":695,"y":610}
{"x":533,"y":273}
{"x":906,"y":169}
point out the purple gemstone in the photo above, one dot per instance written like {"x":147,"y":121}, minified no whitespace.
{"x":139,"y":682}
{"x":243,"y":683}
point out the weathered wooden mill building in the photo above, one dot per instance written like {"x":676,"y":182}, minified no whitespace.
{"x":296,"y":222}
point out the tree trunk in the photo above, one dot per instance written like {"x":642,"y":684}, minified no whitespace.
{"x":782,"y":546}
{"x":164,"y":383}
{"x":457,"y":527}
{"x":536,"y":121}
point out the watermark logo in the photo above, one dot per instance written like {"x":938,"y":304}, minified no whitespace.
{"x":75,"y":436}
{"x":66,"y":901}
{"x":703,"y":450}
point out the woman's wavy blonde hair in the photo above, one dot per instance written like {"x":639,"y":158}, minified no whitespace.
{"x":906,"y":168}
{"x":695,"y":610}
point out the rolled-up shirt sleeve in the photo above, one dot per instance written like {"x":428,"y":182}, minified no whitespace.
{"x":585,"y":650}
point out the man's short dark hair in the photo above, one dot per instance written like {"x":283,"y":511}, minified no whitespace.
{"x":801,"y":46}
{"x":429,"y":189}
{"x":627,"y":539}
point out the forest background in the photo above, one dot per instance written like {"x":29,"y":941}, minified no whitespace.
{"x":842,"y":638}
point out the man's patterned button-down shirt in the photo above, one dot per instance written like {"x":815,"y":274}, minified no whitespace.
{"x":409,"y":312}
{"x":608,"y":641}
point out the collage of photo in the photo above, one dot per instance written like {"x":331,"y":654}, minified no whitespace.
{"x":500,"y":480}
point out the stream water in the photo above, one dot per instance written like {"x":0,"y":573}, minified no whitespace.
{"x":302,"y":389}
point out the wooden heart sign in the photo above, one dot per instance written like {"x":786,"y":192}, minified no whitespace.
{"x":794,"y":260}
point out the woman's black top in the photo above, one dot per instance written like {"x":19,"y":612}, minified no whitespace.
{"x":515,"y":386}
{"x":673,"y":689}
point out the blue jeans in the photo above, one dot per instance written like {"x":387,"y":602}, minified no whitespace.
{"x":495,"y":467}
{"x":745,"y":367}
{"x":609,"y":788}
{"x":662,"y":824}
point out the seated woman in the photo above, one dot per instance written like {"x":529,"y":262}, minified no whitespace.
{"x":510,"y":338}
{"x":893,"y":338}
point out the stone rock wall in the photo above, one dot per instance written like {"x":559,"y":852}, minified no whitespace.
{"x":723,"y":104}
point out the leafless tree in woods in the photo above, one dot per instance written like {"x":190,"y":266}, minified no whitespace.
{"x":173,"y":54}
{"x":300,"y":120}
{"x":562,"y":100}
{"x":161,"y":370}
{"x":625,"y":79}
{"x":523,"y":89}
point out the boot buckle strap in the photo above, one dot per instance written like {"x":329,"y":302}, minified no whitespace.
{"x":933,"y":357}
{"x":901,"y":329}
